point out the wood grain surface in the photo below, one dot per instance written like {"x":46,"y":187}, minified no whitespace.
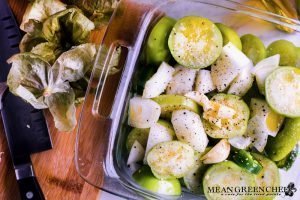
{"x":55,"y":169}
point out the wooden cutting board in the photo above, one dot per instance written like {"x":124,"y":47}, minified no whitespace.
{"x":55,"y":169}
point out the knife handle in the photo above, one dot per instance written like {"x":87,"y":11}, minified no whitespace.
{"x":30,"y":189}
{"x":28,"y":185}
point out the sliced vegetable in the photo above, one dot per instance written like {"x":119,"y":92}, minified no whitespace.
{"x":159,"y":81}
{"x":287,"y":162}
{"x":133,"y":167}
{"x":169,"y":103}
{"x":258,"y":133}
{"x":224,"y":112}
{"x":228,"y":66}
{"x":218,"y":153}
{"x":189,"y":129}
{"x":270,"y":121}
{"x":245,"y":160}
{"x":192,"y":180}
{"x":167,"y":125}
{"x":137,"y":134}
{"x":227,"y":174}
{"x":182,"y":81}
{"x":140,"y":79}
{"x":147,"y":180}
{"x":217,"y":112}
{"x":235,"y":126}
{"x":213,"y":112}
{"x":200,"y":98}
{"x":284,"y":142}
{"x":252,"y":93}
{"x":157,"y":49}
{"x":253,"y":47}
{"x":136,"y":154}
{"x":204,"y":83}
{"x":229,"y":35}
{"x":162,"y":131}
{"x":143,"y":113}
{"x":267,"y":177}
{"x":242,"y":83}
{"x":195,"y":42}
{"x":240,"y":142}
{"x":285,"y":49}
{"x":263,"y":69}
{"x":171,"y":159}
{"x":283,"y":91}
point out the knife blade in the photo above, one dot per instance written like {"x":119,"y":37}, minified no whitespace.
{"x":25,"y":128}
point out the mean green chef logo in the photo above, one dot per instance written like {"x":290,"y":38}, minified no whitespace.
{"x":289,"y":190}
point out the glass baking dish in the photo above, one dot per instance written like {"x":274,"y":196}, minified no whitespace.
{"x":102,"y":130}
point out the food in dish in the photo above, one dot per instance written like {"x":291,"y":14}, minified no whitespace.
{"x":214,"y":131}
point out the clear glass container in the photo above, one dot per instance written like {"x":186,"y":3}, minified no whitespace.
{"x":102,"y":130}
